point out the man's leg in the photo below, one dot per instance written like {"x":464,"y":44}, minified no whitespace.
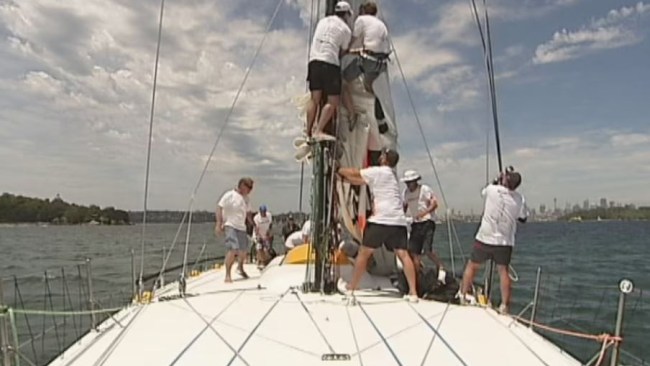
{"x":415,"y":242}
{"x":505,"y":287}
{"x":360,"y":265}
{"x":259,"y":253}
{"x":242,"y":240}
{"x":468,"y":276}
{"x":346,"y":95}
{"x":409,"y":270}
{"x":230,"y":259}
{"x":327,"y":113}
{"x":417,"y":262}
{"x":430,"y":230}
{"x":479,"y":256}
{"x":312,"y":109}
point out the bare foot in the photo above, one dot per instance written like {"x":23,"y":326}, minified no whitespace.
{"x":228,"y":280}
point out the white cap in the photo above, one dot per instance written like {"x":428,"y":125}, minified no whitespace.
{"x":410,"y":176}
{"x":343,"y":6}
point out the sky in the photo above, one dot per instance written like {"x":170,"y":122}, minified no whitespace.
{"x":572,"y":82}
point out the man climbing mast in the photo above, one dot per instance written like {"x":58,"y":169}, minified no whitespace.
{"x":370,"y":40}
{"x":331,"y":40}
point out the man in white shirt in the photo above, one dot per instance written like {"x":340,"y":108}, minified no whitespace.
{"x":370,"y":39}
{"x":263,"y":222}
{"x":420,"y":205}
{"x":233,"y":211}
{"x":496,"y":235}
{"x":298,"y":238}
{"x":331,"y":39}
{"x":387,"y":223}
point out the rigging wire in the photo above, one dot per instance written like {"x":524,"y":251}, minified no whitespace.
{"x":147,"y":170}
{"x":310,"y":35}
{"x":493,"y":89}
{"x":426,"y":144}
{"x":486,"y":43}
{"x":225,"y":123}
{"x":424,"y":139}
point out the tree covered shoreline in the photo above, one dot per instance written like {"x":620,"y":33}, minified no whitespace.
{"x":17,"y":209}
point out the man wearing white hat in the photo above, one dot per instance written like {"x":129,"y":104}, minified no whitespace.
{"x":420,"y":205}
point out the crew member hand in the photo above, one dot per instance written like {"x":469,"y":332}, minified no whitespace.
{"x":219,"y":229}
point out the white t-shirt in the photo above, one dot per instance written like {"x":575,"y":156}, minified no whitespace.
{"x":502,"y":209}
{"x":418,"y":201}
{"x":331,"y":36}
{"x":306,"y":229}
{"x":372,"y":32}
{"x":294,"y":240}
{"x":263,"y":224}
{"x":387,"y":204}
{"x":235,"y":208}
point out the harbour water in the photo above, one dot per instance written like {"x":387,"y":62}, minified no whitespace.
{"x":581,"y":263}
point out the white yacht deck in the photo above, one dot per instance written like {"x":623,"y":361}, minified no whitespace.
{"x":265,"y":321}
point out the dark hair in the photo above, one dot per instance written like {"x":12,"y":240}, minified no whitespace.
{"x":341,"y":14}
{"x":392,"y":157}
{"x":369,"y":7}
{"x":514,"y":180}
{"x":248,"y":182}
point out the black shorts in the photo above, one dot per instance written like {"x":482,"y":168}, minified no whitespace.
{"x":421,"y":239}
{"x":325,"y":77}
{"x":391,"y":236}
{"x":500,"y":254}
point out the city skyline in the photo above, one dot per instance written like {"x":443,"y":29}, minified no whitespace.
{"x":76,"y":85}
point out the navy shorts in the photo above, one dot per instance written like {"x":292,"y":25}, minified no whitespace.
{"x":421,"y":239}
{"x":391,"y":236}
{"x":324,"y":77}
{"x":500,"y":254}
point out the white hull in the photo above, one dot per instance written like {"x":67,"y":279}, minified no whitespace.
{"x":241,"y":324}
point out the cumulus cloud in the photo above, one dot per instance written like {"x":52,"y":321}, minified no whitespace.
{"x":615,"y":30}
{"x":555,"y":167}
{"x":75,"y":94}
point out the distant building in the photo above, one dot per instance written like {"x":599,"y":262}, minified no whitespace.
{"x":576,"y":207}
{"x":612,"y":204}
{"x":603,"y":203}
{"x":585,"y":204}
{"x":542,"y":209}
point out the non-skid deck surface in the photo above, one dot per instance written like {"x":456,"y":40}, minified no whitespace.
{"x":264,"y":321}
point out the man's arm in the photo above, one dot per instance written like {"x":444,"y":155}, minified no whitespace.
{"x":433,"y":204}
{"x":218,"y":228}
{"x":523,"y":213}
{"x":352,"y":175}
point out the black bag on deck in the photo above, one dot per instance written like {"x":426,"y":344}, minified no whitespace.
{"x":428,"y":286}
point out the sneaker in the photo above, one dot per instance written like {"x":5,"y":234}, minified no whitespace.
{"x":342,"y":287}
{"x":299,"y":141}
{"x":411,"y":298}
{"x":302,"y":152}
{"x":242,"y":273}
{"x":504,"y":309}
{"x":442,"y":276}
{"x":465,"y":300}
{"x":461,"y":298}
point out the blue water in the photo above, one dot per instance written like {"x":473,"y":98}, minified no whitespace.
{"x":582,"y":264}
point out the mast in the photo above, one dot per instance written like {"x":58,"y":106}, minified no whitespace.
{"x":321,"y":201}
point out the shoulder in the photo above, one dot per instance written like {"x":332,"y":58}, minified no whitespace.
{"x":226,"y":196}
